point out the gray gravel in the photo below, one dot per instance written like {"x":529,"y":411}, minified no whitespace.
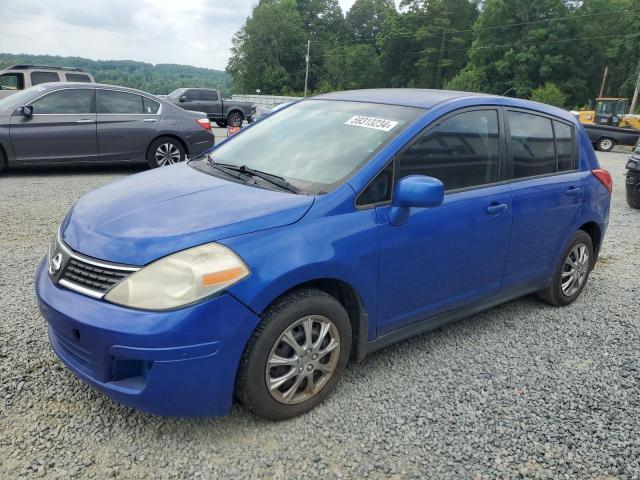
{"x":523,"y":390}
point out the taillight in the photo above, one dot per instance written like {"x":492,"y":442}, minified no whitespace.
{"x":604,"y":177}
{"x":204,"y":123}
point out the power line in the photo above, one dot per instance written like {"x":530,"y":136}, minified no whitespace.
{"x":564,"y":40}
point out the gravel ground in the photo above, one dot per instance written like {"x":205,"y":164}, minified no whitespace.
{"x":521,"y":391}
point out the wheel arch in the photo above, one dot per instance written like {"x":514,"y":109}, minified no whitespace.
{"x":350,"y":299}
{"x":594,"y":231}
{"x":169,"y":135}
{"x":4,"y":155}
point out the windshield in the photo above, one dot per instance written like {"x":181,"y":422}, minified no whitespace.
{"x":316,"y":145}
{"x":177,"y":93}
{"x":17,"y":99}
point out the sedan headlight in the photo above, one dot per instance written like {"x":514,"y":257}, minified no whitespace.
{"x":180,"y":279}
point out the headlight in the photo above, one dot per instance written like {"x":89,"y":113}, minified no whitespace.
{"x":179,"y":279}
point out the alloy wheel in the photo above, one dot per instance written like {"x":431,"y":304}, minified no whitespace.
{"x":167,"y":154}
{"x":303,"y":360}
{"x":575,"y":270}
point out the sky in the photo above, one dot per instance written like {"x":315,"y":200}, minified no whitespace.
{"x":190,"y":32}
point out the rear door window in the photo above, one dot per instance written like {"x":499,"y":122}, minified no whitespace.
{"x":531,"y":144}
{"x":44,"y":77}
{"x":65,"y":102}
{"x":150,"y":106}
{"x":564,"y":146}
{"x":115,"y":102}
{"x":462,"y":151}
{"x":208,"y":96}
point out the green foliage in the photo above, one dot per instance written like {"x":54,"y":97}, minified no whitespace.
{"x":550,"y":94}
{"x":159,"y":79}
{"x":524,"y":47}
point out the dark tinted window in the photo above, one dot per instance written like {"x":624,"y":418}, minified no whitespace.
{"x":463,"y":151}
{"x":208,"y":96}
{"x":531,"y":145}
{"x":150,"y":106}
{"x":192,"y":96}
{"x":44,"y":77}
{"x":111,"y":101}
{"x":78,"y":77}
{"x":564,"y":146}
{"x":12,"y":81}
{"x":379,"y":190}
{"x":64,"y":101}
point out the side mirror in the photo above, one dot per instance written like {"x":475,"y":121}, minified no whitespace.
{"x":27,"y":111}
{"x":414,"y":191}
{"x":182,"y":99}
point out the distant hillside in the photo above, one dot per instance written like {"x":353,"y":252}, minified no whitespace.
{"x":159,"y":79}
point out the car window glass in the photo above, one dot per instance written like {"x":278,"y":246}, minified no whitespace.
{"x":78,"y":77}
{"x":209,"y":96}
{"x":150,"y":106}
{"x":379,"y":190}
{"x":192,"y":96}
{"x":462,"y":151}
{"x":66,"y":101}
{"x":564,"y":146}
{"x":531,"y":145}
{"x":111,"y":101}
{"x":44,"y":77}
{"x":11,"y":81}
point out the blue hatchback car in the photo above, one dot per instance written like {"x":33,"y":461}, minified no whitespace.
{"x":332,"y":228}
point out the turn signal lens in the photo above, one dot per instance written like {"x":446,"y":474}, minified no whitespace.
{"x":604,"y":177}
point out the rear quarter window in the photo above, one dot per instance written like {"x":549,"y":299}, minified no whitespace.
{"x":78,"y":77}
{"x":44,"y":77}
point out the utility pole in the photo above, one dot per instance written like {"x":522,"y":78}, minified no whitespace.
{"x":634,"y":102}
{"x":306,"y":75}
{"x":604,"y":81}
{"x":441,"y":58}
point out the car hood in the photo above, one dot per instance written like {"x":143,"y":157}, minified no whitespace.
{"x":153,"y":214}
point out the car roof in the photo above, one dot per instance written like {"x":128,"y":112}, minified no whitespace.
{"x":61,"y":85}
{"x":406,"y":97}
{"x":427,"y":99}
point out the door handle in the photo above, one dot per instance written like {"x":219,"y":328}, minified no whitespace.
{"x":85,"y":120}
{"x":574,"y":191}
{"x":496,"y":208}
{"x":149,"y":120}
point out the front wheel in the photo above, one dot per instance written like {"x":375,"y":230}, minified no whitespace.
{"x":296,"y":356}
{"x":571,"y":275}
{"x":605,"y":144}
{"x":165,"y":151}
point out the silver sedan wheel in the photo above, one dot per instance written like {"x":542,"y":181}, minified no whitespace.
{"x":303,"y":360}
{"x":167,"y":154}
{"x":575,"y":270}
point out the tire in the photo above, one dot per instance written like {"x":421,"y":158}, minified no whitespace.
{"x":290,"y":315}
{"x":633,"y":202}
{"x":3,"y":161}
{"x":235,"y":119}
{"x":605,"y":144}
{"x":556,"y":294}
{"x":221,"y":123}
{"x":165,"y":151}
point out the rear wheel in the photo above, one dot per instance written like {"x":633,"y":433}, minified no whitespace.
{"x":605,"y":144}
{"x":235,"y":119}
{"x":165,"y":151}
{"x":296,"y":356}
{"x":571,"y":275}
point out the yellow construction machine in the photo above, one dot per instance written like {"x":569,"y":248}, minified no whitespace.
{"x":611,"y":112}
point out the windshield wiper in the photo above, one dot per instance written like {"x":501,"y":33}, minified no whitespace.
{"x":269,"y":177}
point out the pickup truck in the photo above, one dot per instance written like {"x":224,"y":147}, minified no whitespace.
{"x":209,"y":101}
{"x":604,"y":137}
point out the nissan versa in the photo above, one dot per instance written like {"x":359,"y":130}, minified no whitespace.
{"x":261,"y":268}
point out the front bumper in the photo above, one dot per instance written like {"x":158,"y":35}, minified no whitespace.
{"x":173,"y":363}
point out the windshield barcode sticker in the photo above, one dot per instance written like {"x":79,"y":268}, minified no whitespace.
{"x":371,"y":122}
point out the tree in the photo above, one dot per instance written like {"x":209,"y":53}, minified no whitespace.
{"x":268,"y":51}
{"x":550,"y":94}
{"x":352,"y":66}
{"x":365,"y":18}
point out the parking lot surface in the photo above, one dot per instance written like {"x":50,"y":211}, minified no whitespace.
{"x":524,"y":390}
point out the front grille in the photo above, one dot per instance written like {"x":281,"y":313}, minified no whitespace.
{"x":72,"y":352}
{"x":100,"y":279}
